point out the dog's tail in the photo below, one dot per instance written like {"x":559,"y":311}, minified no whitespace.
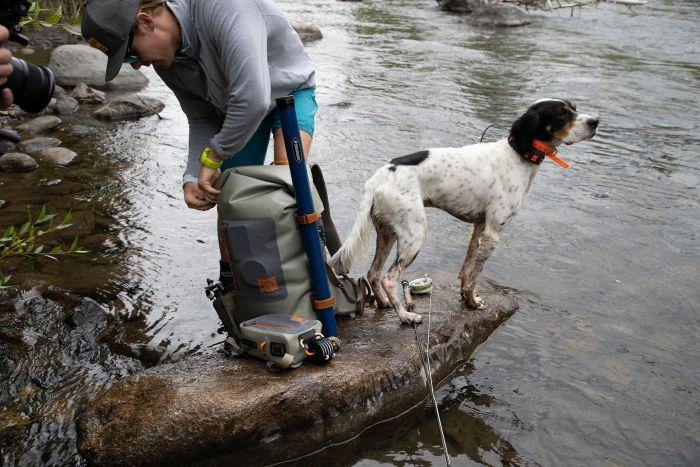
{"x":359,"y":235}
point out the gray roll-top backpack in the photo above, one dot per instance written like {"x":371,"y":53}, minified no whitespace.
{"x":267,"y":312}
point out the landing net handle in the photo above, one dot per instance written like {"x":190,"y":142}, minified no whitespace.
{"x":305,"y":208}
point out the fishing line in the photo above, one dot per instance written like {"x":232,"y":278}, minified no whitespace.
{"x":425,"y":360}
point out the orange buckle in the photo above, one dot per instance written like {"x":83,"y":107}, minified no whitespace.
{"x":323,"y":304}
{"x":261,"y":347}
{"x":306,"y":219}
{"x":268,"y":285}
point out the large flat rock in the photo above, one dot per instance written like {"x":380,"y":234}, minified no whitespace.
{"x":211,"y":406}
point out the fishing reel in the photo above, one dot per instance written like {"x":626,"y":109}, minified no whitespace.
{"x":320,"y":349}
{"x":32,"y":86}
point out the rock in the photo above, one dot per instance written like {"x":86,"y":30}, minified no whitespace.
{"x":17,"y":162}
{"x":460,"y":6}
{"x":58,"y":91}
{"x":87,"y":95}
{"x":38,"y":144}
{"x":499,"y":15}
{"x":211,"y":405}
{"x":58,"y":156}
{"x":307,"y":32}
{"x":128,"y":107}
{"x":6,"y":146}
{"x":2,"y":203}
{"x":80,"y":63}
{"x":64,"y":105}
{"x":81,"y":130}
{"x":40,"y":125}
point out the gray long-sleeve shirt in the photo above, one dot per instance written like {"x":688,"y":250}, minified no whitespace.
{"x":237,"y":56}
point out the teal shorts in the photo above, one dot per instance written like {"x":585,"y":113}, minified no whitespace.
{"x":253,"y":153}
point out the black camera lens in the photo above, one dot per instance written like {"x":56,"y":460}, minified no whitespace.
{"x":32,"y":86}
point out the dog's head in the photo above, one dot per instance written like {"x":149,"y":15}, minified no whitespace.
{"x":552,"y":121}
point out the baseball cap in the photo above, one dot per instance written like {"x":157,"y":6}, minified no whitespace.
{"x":107,"y":26}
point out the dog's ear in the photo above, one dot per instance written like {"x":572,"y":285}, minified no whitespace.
{"x":523,"y":131}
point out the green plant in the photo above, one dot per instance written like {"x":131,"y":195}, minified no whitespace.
{"x":25,"y":241}
{"x":38,"y":17}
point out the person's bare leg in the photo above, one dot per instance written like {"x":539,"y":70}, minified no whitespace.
{"x":280,"y":155}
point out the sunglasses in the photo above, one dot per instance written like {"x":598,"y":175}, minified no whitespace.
{"x":130,"y":56}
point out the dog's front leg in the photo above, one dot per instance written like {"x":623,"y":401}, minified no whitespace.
{"x":486,"y":243}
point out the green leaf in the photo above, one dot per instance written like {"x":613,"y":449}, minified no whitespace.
{"x":44,"y":219}
{"x":73,"y":245}
{"x":56,"y":17}
{"x":8,"y":231}
{"x":62,"y":226}
{"x":24,"y":228}
{"x":56,"y":249}
{"x":38,"y":249}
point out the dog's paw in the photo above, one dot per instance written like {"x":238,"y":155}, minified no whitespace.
{"x":409,"y":317}
{"x":473,"y":301}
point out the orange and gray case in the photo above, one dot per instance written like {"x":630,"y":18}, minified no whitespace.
{"x":279,"y":339}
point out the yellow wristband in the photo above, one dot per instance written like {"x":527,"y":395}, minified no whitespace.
{"x":207,"y":162}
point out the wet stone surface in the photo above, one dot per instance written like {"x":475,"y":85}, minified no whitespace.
{"x":232,"y":408}
{"x":38,"y":144}
{"x":17,"y":162}
{"x":57,"y":156}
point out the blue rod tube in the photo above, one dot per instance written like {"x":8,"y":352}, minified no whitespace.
{"x":305,"y":206}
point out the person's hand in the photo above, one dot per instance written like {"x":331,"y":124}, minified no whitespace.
{"x":6,"y":97}
{"x":195,"y":198}
{"x":207,"y":178}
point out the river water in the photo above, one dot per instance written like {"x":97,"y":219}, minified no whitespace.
{"x":599,"y":365}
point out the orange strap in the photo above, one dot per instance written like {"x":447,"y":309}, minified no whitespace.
{"x":323,"y":304}
{"x":306,"y":219}
{"x":550,"y":152}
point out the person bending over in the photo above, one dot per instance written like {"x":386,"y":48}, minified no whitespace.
{"x":226,"y":61}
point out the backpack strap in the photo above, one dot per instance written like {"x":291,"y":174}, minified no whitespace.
{"x":332,"y":238}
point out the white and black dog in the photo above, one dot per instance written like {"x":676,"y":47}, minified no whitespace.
{"x":483,"y":184}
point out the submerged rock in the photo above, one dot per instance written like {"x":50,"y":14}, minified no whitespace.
{"x":499,"y":15}
{"x":214,"y":406}
{"x":38,"y":144}
{"x":17,"y":162}
{"x":128,"y":107}
{"x":40,"y":125}
{"x":87,"y":95}
{"x":57,"y":156}
{"x":80,"y":63}
{"x":64,"y":105}
{"x":460,"y":6}
{"x":307,"y":32}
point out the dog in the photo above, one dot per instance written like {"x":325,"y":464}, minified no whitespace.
{"x":483,"y":184}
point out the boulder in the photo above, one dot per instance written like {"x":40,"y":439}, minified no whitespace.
{"x":57,"y":156}
{"x":234,"y":410}
{"x":63,"y":105}
{"x":80,"y":63}
{"x":87,"y":95}
{"x":17,"y":162}
{"x":499,"y":15}
{"x":40,"y":125}
{"x":307,"y":32}
{"x":129,"y":107}
{"x":38,"y":144}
